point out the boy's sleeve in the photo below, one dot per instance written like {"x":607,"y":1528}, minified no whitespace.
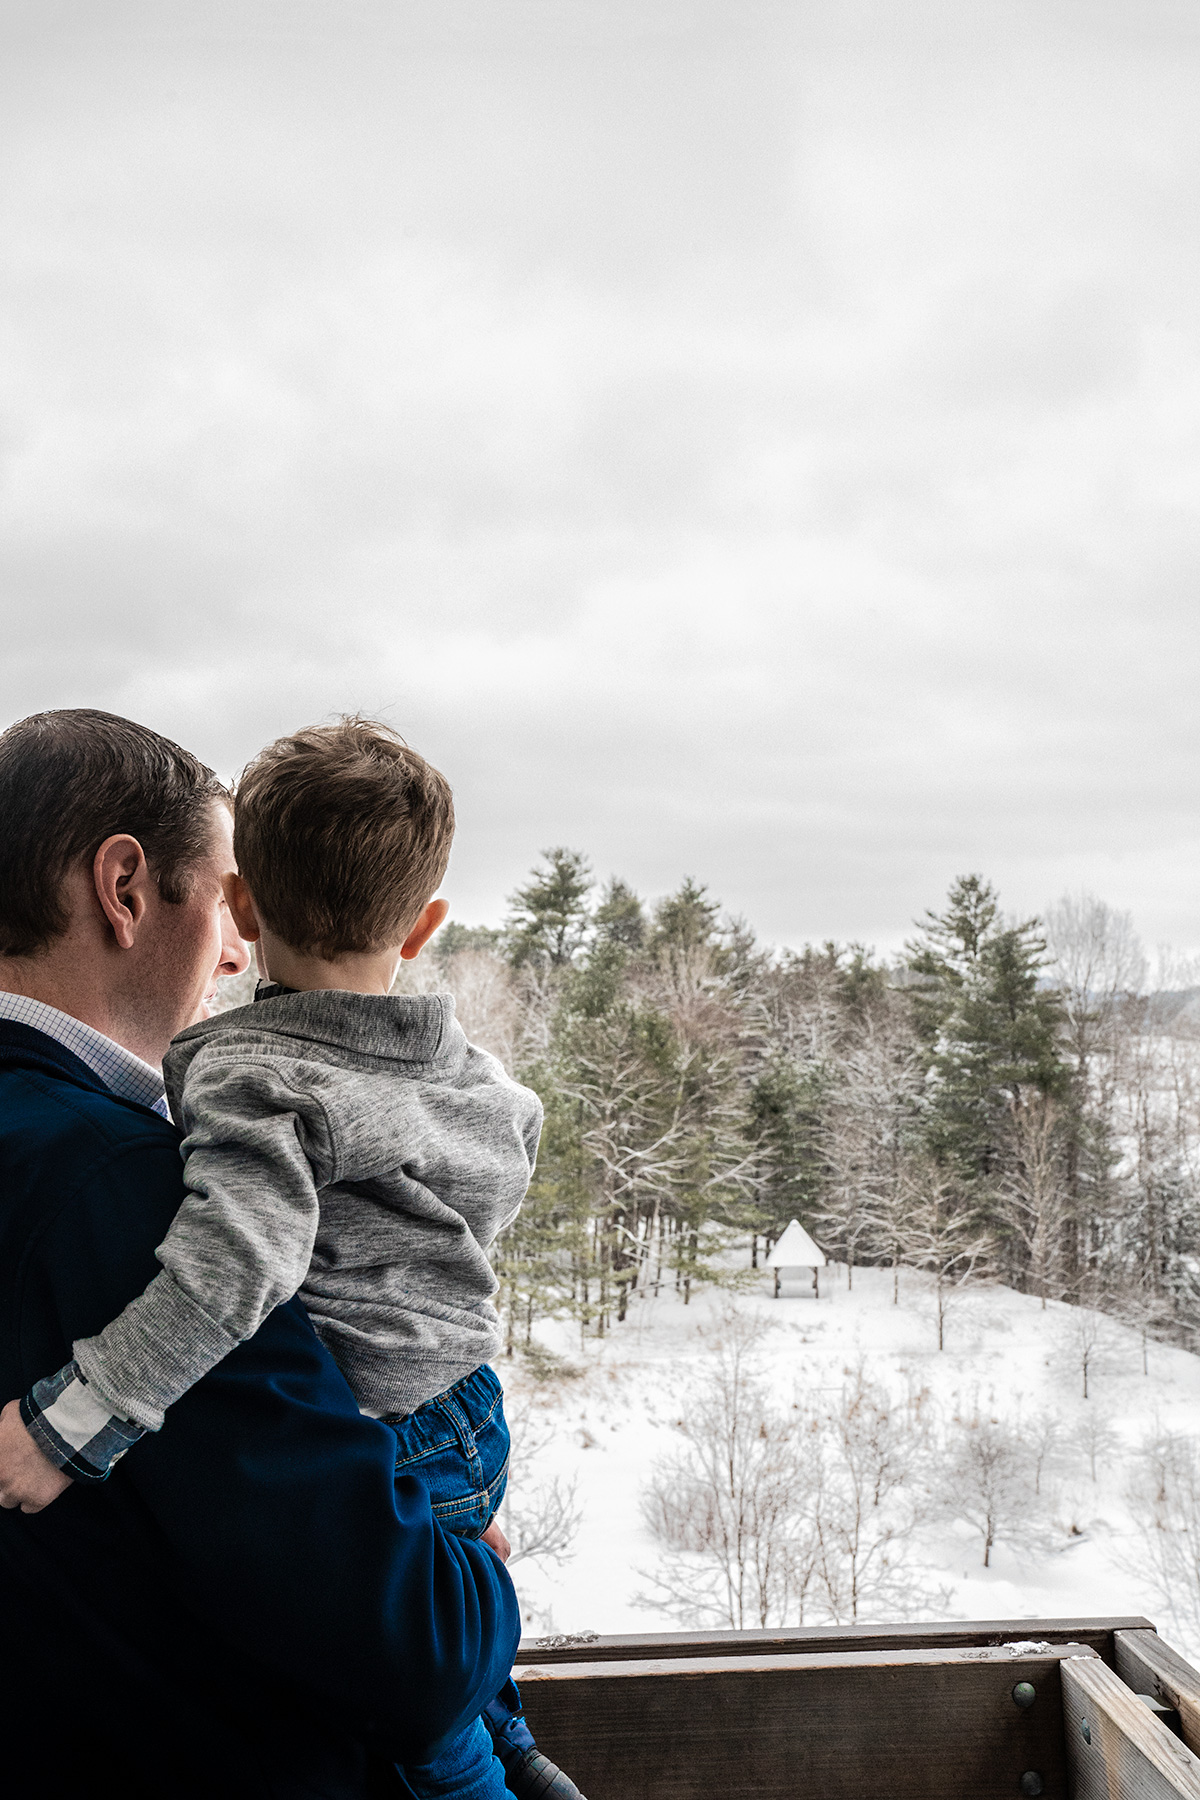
{"x":258,"y":1148}
{"x":271,"y":1506}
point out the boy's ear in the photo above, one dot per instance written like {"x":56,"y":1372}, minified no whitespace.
{"x":241,"y":907}
{"x":432,"y":916}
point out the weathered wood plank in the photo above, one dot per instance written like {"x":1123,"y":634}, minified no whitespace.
{"x":908,"y":1724}
{"x":1096,"y":1633}
{"x":1149,"y":1666}
{"x":1116,"y":1747}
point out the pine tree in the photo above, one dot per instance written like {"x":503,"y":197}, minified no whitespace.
{"x":538,"y":1259}
{"x":992,"y":1028}
{"x":785,"y":1128}
{"x":948,"y":951}
{"x":548,"y":918}
{"x":620,"y":918}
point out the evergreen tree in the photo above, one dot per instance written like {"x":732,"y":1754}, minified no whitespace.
{"x":684,"y":939}
{"x":619,"y":918}
{"x":548,"y":918}
{"x":992,"y":1028}
{"x":1001,"y":1036}
{"x":785,"y":1127}
{"x":540,"y":1257}
{"x":952,"y":942}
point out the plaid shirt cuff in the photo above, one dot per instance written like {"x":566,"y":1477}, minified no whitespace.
{"x":75,"y":1429}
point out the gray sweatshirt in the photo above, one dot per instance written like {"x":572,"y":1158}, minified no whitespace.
{"x":351,"y":1148}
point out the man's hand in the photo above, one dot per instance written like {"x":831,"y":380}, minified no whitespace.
{"x":27,"y":1478}
{"x":493,"y":1537}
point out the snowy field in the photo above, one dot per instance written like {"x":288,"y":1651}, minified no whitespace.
{"x":1006,"y":1358}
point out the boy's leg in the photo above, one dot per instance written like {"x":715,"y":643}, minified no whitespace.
{"x":467,"y":1769}
{"x":529,"y":1774}
{"x":458,"y":1444}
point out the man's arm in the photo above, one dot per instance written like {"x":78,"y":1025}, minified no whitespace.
{"x":274,"y":1501}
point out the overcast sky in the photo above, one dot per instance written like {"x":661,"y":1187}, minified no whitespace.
{"x":752,"y":441}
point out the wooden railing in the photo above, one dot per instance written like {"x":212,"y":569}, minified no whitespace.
{"x":1071,"y":1709}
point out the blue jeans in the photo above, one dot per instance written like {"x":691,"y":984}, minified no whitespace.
{"x":468,"y":1769}
{"x":457,"y":1445}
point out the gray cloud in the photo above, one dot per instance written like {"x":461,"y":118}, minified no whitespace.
{"x":757,"y":442}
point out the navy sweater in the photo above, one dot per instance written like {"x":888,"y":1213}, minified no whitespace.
{"x":253,"y":1604}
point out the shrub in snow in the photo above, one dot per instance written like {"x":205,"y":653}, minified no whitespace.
{"x":1096,"y":1438}
{"x":988,"y":1480}
{"x":774,"y":1512}
{"x":540,"y":1518}
{"x":1164,"y":1499}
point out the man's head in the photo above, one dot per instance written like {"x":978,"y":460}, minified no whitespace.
{"x":114,"y":846}
{"x":342,"y":835}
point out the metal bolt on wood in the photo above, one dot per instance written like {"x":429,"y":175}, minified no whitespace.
{"x":1031,"y":1782}
{"x":1024,"y":1694}
{"x":1085,"y":1731}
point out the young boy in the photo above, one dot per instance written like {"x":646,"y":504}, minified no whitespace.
{"x":344,"y":1143}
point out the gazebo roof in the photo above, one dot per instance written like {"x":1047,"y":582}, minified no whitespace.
{"x":796,"y":1250}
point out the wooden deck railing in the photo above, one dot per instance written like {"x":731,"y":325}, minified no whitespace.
{"x":1071,"y":1709}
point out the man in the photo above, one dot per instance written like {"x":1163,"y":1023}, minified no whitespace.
{"x":253,"y":1604}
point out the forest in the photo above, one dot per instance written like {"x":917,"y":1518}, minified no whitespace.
{"x":1009,"y":1099}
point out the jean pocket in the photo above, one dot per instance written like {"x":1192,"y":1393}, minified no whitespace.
{"x":469,"y":1514}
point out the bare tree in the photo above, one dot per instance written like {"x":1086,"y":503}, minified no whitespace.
{"x":542,"y":1522}
{"x":1086,"y":1344}
{"x":944,"y":1239}
{"x":1096,"y":1438}
{"x":1043,"y":1438}
{"x":1146,"y":1315}
{"x":1164,"y":1500}
{"x":1096,"y":962}
{"x":540,"y":1518}
{"x":487,"y":1003}
{"x":772,"y":1513}
{"x":733,"y":1508}
{"x":869,"y":1502}
{"x":1033,"y":1198}
{"x":989,"y":1483}
{"x":873,"y":1085}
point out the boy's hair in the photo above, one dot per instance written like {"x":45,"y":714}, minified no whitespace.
{"x":342,"y":834}
{"x":71,"y":779}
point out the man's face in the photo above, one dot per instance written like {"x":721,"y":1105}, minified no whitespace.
{"x":189,"y":945}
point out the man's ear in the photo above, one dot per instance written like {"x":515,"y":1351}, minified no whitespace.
{"x":423,"y":930}
{"x":240,"y":902}
{"x":123,"y":885}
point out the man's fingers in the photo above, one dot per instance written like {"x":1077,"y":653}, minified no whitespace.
{"x":12,"y":1498}
{"x":27,"y":1478}
{"x":496,"y":1540}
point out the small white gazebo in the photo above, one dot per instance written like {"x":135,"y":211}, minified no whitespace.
{"x":794,"y":1252}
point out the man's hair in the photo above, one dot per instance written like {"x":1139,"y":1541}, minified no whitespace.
{"x":70,"y":779}
{"x":342,"y":834}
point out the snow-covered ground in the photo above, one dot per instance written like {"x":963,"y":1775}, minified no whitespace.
{"x":1006,"y":1357}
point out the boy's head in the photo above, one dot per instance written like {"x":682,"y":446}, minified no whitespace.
{"x":342,"y":834}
